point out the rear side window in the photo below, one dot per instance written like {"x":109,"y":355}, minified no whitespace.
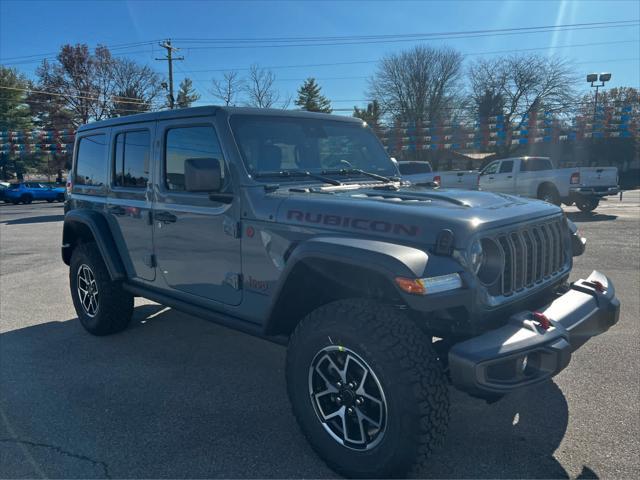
{"x":535,"y":165}
{"x":131,"y":159}
{"x":410,"y":168}
{"x":506,"y":166}
{"x":186,"y":143}
{"x":90,"y":161}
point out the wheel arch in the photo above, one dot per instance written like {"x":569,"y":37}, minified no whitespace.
{"x":83,"y":226}
{"x":324,"y":270}
{"x":547,"y":185}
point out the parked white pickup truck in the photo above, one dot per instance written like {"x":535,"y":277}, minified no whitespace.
{"x":421,"y":172}
{"x":537,"y":178}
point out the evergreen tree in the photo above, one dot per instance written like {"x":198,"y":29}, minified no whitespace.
{"x":310,"y":98}
{"x":14,"y":110}
{"x":186,"y":94}
{"x":372,"y":114}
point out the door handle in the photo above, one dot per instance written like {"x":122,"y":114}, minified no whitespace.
{"x":510,"y":176}
{"x":491,"y":178}
{"x":165,"y":217}
{"x":117,"y":210}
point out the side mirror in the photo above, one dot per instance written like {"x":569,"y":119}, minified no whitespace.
{"x":202,"y":175}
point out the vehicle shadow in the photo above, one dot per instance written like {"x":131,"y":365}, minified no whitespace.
{"x":590,"y":217}
{"x":38,"y":219}
{"x":175,"y":396}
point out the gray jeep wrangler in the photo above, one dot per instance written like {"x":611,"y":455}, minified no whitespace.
{"x":295,"y":227}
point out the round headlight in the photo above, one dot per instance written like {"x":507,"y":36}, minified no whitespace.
{"x":476,"y":256}
{"x":492,"y":262}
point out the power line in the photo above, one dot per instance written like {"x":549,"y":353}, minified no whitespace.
{"x":361,"y":62}
{"x":402,"y":36}
{"x":110,"y":47}
{"x":414,"y":39}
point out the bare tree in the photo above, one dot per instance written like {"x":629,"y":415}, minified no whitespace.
{"x":228,"y":88}
{"x":259,"y":88}
{"x":517,"y":84}
{"x":136,"y":87}
{"x":418,"y":84}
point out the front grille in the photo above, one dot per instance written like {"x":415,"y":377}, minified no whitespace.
{"x":532,"y":254}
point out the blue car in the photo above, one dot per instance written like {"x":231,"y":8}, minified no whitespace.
{"x":30,"y":191}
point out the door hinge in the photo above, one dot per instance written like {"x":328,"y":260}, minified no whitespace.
{"x":231,"y":228}
{"x":150,"y":260}
{"x":234,"y":280}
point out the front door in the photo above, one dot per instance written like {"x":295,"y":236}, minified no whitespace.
{"x":503,"y":180}
{"x":129,"y":202}
{"x":487,"y":177}
{"x":196,"y":238}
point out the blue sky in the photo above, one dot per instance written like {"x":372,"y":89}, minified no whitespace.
{"x":31,"y":28}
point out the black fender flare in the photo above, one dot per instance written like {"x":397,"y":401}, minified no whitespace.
{"x":97,"y":225}
{"x":386,"y":259}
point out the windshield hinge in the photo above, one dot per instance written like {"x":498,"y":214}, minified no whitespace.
{"x":231,"y":228}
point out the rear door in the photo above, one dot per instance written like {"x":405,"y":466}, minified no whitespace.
{"x":196,"y":236}
{"x":129,"y":202}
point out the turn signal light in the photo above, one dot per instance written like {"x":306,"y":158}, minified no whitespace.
{"x":437,"y":179}
{"x":428,"y":285}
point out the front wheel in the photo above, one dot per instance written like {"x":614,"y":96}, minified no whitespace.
{"x":367,"y":388}
{"x":103,"y":307}
{"x":587,"y":204}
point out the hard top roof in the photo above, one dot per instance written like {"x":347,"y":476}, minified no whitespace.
{"x":211,"y":110}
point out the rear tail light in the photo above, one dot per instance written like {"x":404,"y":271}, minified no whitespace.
{"x":575,"y":178}
{"x":437,"y":179}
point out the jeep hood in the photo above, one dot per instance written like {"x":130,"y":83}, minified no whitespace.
{"x":410,"y":213}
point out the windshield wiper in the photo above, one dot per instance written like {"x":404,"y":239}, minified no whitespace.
{"x":298,"y":173}
{"x":350,"y":171}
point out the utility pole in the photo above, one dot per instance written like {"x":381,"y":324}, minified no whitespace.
{"x":170,"y":58}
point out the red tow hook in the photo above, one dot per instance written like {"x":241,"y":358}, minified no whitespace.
{"x":598,"y":286}
{"x":542,"y":319}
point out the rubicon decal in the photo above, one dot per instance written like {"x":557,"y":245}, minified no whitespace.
{"x":356,"y":223}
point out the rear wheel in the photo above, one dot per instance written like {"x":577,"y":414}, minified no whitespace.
{"x":367,"y":388}
{"x":103,"y":307}
{"x":549,"y":193}
{"x":587,"y":204}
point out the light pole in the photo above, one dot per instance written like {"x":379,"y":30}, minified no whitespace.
{"x":592,"y":78}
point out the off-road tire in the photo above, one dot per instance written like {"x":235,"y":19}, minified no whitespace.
{"x":549,"y":194}
{"x":114,"y":305}
{"x":587,"y":204}
{"x":402,"y":357}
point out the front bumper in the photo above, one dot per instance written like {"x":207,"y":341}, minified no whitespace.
{"x":594,"y":191}
{"x":522,"y":352}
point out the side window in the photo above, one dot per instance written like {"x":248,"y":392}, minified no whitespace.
{"x":491,"y":168}
{"x":506,"y":166}
{"x":536,"y":164}
{"x":131,"y":159}
{"x":186,"y":143}
{"x":90,"y":161}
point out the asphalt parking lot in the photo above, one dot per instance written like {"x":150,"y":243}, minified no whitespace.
{"x":175,"y":396}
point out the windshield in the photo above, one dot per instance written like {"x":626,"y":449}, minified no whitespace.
{"x":287,"y":144}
